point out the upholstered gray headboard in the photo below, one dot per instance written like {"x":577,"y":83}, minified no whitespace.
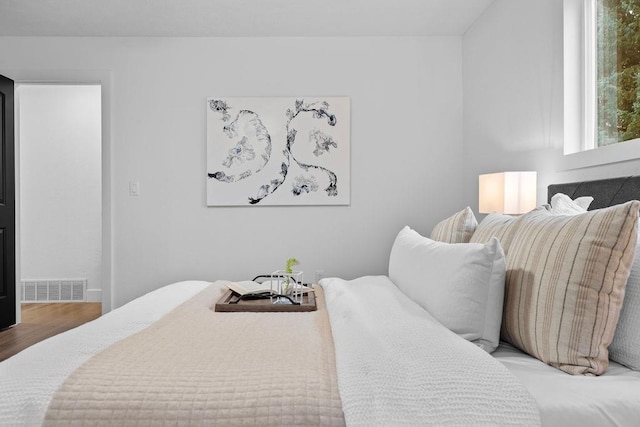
{"x":605,"y":192}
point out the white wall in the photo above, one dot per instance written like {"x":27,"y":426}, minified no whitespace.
{"x":406,"y":142}
{"x":513,"y":97}
{"x":60,"y":183}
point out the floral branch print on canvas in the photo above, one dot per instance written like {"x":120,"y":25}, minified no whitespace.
{"x":301,"y":182}
{"x":254,"y":134}
{"x":318,"y":112}
{"x":291,"y":154}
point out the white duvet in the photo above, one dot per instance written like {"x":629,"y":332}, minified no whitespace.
{"x":397,"y":365}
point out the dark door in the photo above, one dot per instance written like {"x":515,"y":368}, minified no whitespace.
{"x":7,"y":207}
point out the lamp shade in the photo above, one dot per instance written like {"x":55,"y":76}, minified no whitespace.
{"x":510,"y":193}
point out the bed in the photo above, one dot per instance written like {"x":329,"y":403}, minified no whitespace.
{"x":380,"y":350}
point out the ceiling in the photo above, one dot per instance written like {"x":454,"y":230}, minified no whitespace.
{"x":233,"y":18}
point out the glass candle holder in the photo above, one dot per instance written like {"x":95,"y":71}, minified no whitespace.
{"x":289,"y":284}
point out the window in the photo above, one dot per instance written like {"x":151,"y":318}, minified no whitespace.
{"x":617,"y":76}
{"x":602,"y":76}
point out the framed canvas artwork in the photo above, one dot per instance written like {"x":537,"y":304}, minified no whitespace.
{"x":278,"y":151}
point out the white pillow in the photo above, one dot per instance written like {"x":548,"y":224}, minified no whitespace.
{"x":561,"y":204}
{"x":625,"y":347}
{"x":461,"y":285}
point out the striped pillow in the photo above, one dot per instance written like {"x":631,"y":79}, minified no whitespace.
{"x":458,"y":228}
{"x":565,"y":283}
{"x":498,"y":225}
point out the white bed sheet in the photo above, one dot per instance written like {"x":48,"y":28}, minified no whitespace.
{"x":28,"y":382}
{"x":564,"y":400}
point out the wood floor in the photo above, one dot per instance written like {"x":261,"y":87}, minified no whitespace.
{"x":43,"y":320}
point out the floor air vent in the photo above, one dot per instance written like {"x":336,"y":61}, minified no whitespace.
{"x":66,"y":290}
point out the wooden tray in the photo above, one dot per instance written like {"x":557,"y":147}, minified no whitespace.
{"x":264,"y":305}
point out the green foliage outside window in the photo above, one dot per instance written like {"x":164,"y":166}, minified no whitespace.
{"x":618,"y":71}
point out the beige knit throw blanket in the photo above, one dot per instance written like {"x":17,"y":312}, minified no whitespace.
{"x":199,"y":367}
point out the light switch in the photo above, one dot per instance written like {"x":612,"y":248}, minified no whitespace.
{"x":134,"y":188}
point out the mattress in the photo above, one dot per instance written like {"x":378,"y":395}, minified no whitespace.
{"x":610,"y":399}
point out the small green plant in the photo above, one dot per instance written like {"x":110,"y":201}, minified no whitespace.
{"x":291,"y":262}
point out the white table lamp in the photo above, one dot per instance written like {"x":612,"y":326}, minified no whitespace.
{"x":511,"y":193}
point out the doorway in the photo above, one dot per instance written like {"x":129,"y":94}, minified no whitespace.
{"x":60,"y":192}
